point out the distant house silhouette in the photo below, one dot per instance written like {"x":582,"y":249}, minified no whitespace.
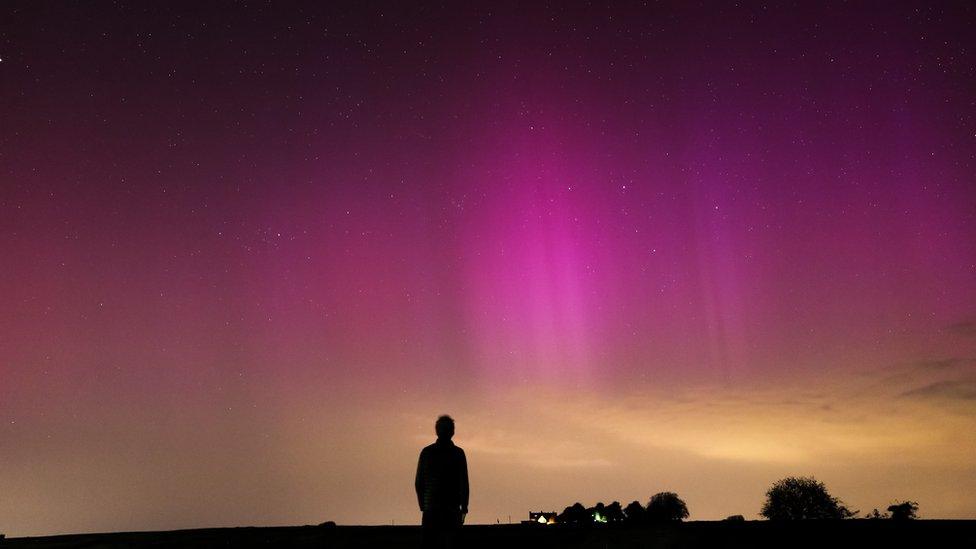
{"x":542,"y":517}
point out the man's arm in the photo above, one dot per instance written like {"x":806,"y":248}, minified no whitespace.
{"x":464,"y":483}
{"x":418,"y":482}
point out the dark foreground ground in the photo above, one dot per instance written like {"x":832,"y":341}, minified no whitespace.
{"x":863,"y":534}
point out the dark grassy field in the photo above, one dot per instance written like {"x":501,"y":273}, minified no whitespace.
{"x":852,"y":533}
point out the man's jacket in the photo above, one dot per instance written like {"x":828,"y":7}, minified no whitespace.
{"x":442,"y":478}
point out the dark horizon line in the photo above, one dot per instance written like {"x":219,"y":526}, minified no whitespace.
{"x":507,"y":524}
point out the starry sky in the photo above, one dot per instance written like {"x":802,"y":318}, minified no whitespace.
{"x":250,"y":251}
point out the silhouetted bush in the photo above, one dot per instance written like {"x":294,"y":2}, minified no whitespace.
{"x":875,"y":515}
{"x":666,"y":507}
{"x":906,"y":510}
{"x":800,"y":498}
{"x":575,"y":514}
{"x":328,"y":524}
{"x":634,"y":512}
{"x":614,"y":512}
{"x":735,"y":518}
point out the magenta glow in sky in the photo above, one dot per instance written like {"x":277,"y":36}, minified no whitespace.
{"x":248,"y":254}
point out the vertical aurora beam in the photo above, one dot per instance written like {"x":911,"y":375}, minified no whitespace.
{"x":531,"y":267}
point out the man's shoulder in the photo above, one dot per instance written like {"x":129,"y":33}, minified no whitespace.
{"x":442,"y":448}
{"x":435,"y":448}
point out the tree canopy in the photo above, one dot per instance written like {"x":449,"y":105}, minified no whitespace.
{"x":906,"y":510}
{"x":634,"y":512}
{"x":575,"y":514}
{"x":666,"y":506}
{"x":802,"y":498}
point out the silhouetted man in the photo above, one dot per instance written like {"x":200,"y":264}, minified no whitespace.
{"x":442,"y":487}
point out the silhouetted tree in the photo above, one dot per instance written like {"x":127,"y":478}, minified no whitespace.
{"x":614,"y":512}
{"x":634,"y":512}
{"x":875,"y":515}
{"x":576,"y":514}
{"x":666,"y":506}
{"x":906,"y":510}
{"x":798,"y":498}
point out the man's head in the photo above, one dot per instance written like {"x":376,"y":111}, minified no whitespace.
{"x":444,"y":427}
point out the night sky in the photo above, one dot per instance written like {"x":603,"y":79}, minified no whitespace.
{"x":249,"y":252}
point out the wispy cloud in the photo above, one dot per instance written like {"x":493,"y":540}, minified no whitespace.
{"x":961,"y":389}
{"x":965,"y":327}
{"x":536,"y":452}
